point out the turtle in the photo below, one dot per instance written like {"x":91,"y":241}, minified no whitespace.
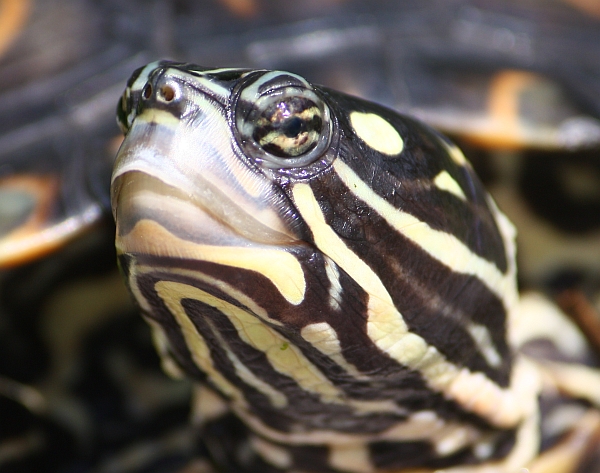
{"x":59,"y":142}
{"x":334,"y":277}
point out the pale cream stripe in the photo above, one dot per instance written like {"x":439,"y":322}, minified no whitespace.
{"x":271,"y":453}
{"x":456,"y":154}
{"x":360,"y":407}
{"x":324,"y":338}
{"x":207,"y":404}
{"x":279,"y":266}
{"x":386,"y":327}
{"x":283,"y":356}
{"x":421,"y":425}
{"x":480,"y":334}
{"x":152,"y":115}
{"x":352,"y":458}
{"x":443,"y":246}
{"x":444,"y":181}
{"x":171,"y":294}
{"x":231,"y":291}
{"x":335,"y":287}
{"x":277,"y":398}
{"x":162,"y":347}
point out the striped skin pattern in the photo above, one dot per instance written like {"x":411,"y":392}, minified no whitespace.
{"x":333,"y":271}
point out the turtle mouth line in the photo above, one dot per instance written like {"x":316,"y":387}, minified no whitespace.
{"x":186,"y":176}
{"x":207,"y":217}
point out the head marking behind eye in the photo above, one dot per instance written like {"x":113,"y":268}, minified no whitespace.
{"x":377,"y":133}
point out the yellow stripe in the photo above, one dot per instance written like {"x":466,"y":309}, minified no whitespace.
{"x":231,"y":291}
{"x":172,"y":293}
{"x":443,"y":246}
{"x":285,"y":357}
{"x":353,"y":458}
{"x":324,"y":338}
{"x":420,"y":425}
{"x":277,"y":399}
{"x":389,"y":332}
{"x":335,"y":287}
{"x":153,"y":115}
{"x":360,"y":407}
{"x":271,"y":453}
{"x":444,"y":181}
{"x":456,"y":154}
{"x":279,"y":266}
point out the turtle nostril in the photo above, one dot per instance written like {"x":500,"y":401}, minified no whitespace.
{"x":147,"y":91}
{"x":167,"y":92}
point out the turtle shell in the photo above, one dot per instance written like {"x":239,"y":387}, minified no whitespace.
{"x":514,"y":82}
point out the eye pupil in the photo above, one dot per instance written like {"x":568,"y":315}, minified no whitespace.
{"x":289,"y":128}
{"x":293,"y":127}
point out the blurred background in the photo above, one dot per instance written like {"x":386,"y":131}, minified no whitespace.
{"x":516,"y":83}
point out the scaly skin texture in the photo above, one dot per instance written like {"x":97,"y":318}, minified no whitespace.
{"x":333,"y":270}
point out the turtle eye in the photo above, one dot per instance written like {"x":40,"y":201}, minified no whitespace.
{"x":282,"y":127}
{"x":289,"y":127}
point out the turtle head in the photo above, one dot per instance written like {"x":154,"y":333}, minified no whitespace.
{"x":201,"y":147}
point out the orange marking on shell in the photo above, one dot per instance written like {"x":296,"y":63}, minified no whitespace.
{"x":242,"y":8}
{"x":13,"y":15}
{"x":503,"y":125}
{"x":591,"y":7}
{"x":504,"y":105}
{"x":37,"y":235}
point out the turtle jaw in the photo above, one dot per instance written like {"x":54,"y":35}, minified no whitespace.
{"x":189,"y":181}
